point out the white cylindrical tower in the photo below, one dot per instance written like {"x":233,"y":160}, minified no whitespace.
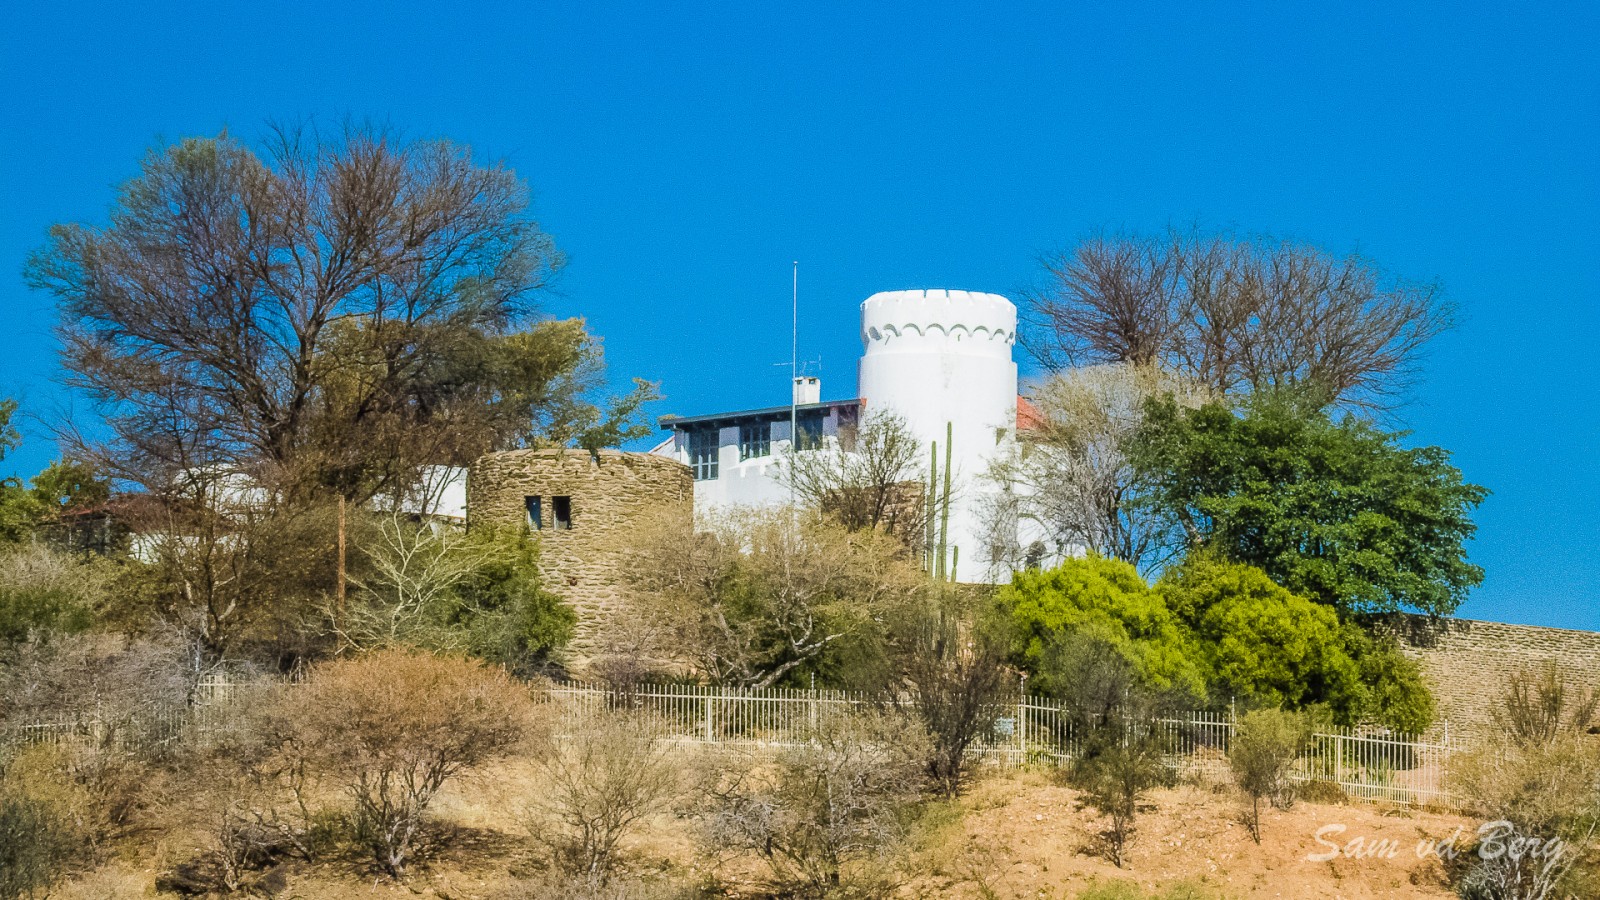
{"x":943,"y":358}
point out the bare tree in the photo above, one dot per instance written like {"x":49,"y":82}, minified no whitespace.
{"x":1236,"y":314}
{"x":1071,"y":482}
{"x":751,"y":595}
{"x":413,"y":569}
{"x":325,"y":316}
{"x":876,"y":481}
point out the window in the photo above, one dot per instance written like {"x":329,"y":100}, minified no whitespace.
{"x":810,"y":426}
{"x":703,"y":453}
{"x":562,"y":508}
{"x":535,"y":512}
{"x":755,"y":440}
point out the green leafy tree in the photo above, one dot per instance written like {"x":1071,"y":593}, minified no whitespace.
{"x":18,"y":508}
{"x":1265,"y":645}
{"x":1336,"y":511}
{"x":67,"y":485}
{"x":1262,"y":643}
{"x":1050,"y":614}
{"x":1393,"y":690}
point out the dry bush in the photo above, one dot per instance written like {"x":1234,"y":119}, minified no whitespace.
{"x":958,"y":674}
{"x":392,"y":726}
{"x":606,"y":776}
{"x":1537,"y":785}
{"x":119,"y":705}
{"x":1537,"y":708}
{"x":827,"y":815}
{"x":566,"y":886}
{"x":36,"y":846}
{"x":123,"y":692}
{"x":750,"y":596}
{"x":1262,"y":755}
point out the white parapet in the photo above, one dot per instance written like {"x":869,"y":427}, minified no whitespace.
{"x":940,"y":359}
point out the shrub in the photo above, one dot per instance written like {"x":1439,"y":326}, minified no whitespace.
{"x":1536,"y":782}
{"x":45,"y":591}
{"x":454,"y":591}
{"x":957,"y":673}
{"x":392,"y":726}
{"x":828,"y":813}
{"x":1106,"y":600}
{"x":761,"y":597}
{"x":1263,"y":752}
{"x":49,"y":820}
{"x":35,"y":847}
{"x":567,"y":886}
{"x":1536,"y":709}
{"x":607,"y":775}
{"x":1115,"y":776}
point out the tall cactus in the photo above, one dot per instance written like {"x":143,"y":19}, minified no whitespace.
{"x":938,"y":537}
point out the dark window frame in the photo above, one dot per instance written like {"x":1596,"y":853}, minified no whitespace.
{"x":705,"y":448}
{"x":755,"y":440}
{"x":812,"y":428}
{"x":535,"y":510}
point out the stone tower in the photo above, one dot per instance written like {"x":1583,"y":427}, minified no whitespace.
{"x":580,"y":507}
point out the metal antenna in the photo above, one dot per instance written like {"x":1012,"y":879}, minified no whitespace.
{"x":794,"y":369}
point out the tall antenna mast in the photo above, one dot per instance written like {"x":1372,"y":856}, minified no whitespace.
{"x":794,"y":369}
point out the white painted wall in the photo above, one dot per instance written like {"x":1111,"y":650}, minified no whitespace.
{"x":938,"y":357}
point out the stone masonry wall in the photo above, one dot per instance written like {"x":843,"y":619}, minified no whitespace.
{"x":1469,"y":664}
{"x":610,"y":493}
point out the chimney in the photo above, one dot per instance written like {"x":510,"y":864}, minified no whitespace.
{"x":807,"y":389}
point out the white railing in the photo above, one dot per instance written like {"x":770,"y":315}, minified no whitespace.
{"x":1364,"y":764}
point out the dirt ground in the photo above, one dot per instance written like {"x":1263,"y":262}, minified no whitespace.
{"x":1024,"y":836}
{"x":1015,"y":835}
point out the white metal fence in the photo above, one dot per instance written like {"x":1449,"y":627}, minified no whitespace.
{"x":1365,"y":765}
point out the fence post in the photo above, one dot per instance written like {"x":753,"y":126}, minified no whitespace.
{"x":1022,"y":721}
{"x":811,"y":703}
{"x":710,"y":699}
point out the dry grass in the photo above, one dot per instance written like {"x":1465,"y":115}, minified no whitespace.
{"x":1014,"y":835}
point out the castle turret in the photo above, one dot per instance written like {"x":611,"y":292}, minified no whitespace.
{"x":943,"y":359}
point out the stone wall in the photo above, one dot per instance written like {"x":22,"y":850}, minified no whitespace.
{"x":610,"y":491}
{"x":1469,"y":664}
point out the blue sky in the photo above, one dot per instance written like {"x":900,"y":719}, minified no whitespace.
{"x":684,"y":154}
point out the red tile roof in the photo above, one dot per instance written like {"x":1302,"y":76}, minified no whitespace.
{"x":1028,"y":417}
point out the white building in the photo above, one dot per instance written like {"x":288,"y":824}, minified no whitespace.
{"x":941,"y":359}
